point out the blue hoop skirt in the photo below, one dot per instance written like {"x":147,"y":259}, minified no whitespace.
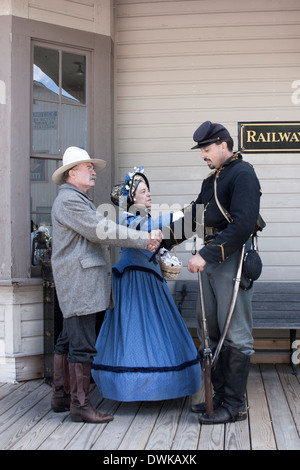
{"x":145,"y":351}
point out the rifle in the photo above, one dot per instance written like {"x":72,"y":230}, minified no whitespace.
{"x":207,"y":355}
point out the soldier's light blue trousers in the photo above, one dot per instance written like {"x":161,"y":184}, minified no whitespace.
{"x":218,"y":282}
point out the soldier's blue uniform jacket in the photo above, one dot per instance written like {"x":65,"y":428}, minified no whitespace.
{"x":239,"y":192}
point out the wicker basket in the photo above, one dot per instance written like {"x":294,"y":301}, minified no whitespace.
{"x":169,"y":272}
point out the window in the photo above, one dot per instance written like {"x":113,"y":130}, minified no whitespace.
{"x":59,"y":120}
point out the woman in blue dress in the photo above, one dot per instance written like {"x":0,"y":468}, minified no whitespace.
{"x":145,"y":351}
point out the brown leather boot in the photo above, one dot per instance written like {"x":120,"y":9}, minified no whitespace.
{"x":60,"y":400}
{"x":81,"y":408}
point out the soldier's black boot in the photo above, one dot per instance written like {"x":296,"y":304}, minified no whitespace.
{"x":235,"y":370}
{"x":217,"y":380}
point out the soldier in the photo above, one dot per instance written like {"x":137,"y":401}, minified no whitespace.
{"x":231,"y":197}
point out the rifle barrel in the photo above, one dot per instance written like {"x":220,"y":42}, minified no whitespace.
{"x":207,"y":357}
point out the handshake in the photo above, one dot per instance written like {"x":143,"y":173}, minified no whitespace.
{"x":154,"y":240}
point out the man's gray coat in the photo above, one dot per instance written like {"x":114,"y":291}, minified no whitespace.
{"x":81,"y":252}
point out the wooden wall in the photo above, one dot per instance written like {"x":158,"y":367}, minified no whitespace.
{"x":85,"y":15}
{"x":179,"y":63}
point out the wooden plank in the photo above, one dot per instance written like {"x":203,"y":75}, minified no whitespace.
{"x":15,"y":404}
{"x":22,"y":427}
{"x":9,"y":388}
{"x":31,"y":366}
{"x":139,"y":432}
{"x":263,"y":290}
{"x":62,"y":436}
{"x":291,"y":385}
{"x":276,"y":306}
{"x":274,"y":420}
{"x":278,"y":287}
{"x":271,"y":299}
{"x":261,"y":431}
{"x":184,"y":89}
{"x":114,"y":433}
{"x":52,"y":422}
{"x":163,"y":103}
{"x":212,"y":437}
{"x":237,"y":436}
{"x":286,"y":435}
{"x":187,"y":434}
{"x":278,"y":344}
{"x":171,"y":21}
{"x":34,"y":437}
{"x":19,"y":419}
{"x":59,"y":439}
{"x":270,"y":357}
{"x":90,"y":432}
{"x":79,"y":10}
{"x":166,"y":425}
{"x":277,"y":323}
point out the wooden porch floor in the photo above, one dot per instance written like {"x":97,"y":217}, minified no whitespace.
{"x":27,"y":422}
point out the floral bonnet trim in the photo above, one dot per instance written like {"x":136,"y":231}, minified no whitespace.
{"x":127,"y":189}
{"x":122,"y":194}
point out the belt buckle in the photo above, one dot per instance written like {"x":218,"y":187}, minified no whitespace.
{"x":211,"y":231}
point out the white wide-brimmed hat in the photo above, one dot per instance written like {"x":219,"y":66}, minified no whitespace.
{"x":72,"y":157}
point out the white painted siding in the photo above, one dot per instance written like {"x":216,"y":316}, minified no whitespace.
{"x":21,"y":330}
{"x":85,"y":15}
{"x":179,"y":63}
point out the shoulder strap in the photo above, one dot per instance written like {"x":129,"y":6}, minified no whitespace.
{"x":225,"y":213}
{"x":222,"y":209}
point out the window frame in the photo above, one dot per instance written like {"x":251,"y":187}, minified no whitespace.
{"x":61,"y":48}
{"x":88,"y":71}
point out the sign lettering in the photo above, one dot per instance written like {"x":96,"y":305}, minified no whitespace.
{"x":262,"y":137}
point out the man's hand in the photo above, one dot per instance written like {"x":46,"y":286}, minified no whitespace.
{"x":196,"y":263}
{"x":154,"y":240}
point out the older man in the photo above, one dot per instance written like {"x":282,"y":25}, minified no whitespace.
{"x":82,"y":274}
